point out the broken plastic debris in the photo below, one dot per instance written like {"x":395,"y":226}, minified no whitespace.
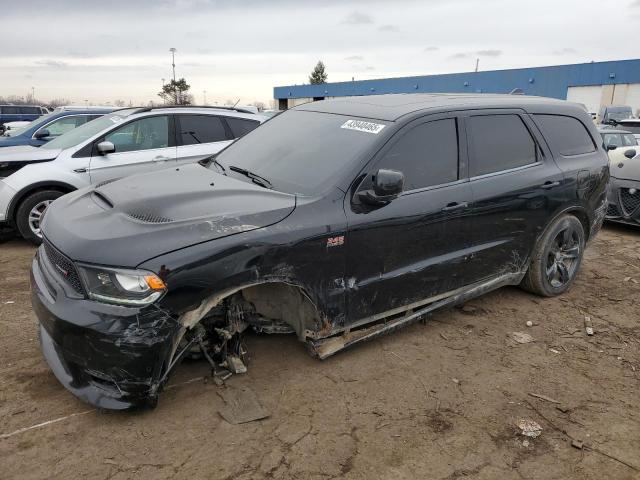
{"x":241,"y":406}
{"x":9,"y":302}
{"x":521,"y":337}
{"x":529,"y":323}
{"x":235,"y":365}
{"x":588,"y":326}
{"x":529,"y":428}
{"x":577,"y":444}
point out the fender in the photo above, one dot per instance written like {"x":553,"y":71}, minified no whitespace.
{"x":18,"y":197}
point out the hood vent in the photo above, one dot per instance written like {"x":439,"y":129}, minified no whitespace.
{"x":148,"y":217}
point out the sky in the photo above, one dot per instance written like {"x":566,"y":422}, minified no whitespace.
{"x":240,"y":49}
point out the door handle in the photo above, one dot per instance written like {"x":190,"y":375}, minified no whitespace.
{"x":160,"y":158}
{"x":548,"y":185}
{"x":455,"y":206}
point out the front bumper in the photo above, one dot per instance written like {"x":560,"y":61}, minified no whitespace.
{"x":109,"y":356}
{"x":6,"y":195}
{"x":624,"y":206}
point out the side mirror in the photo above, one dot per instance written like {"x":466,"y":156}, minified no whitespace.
{"x":611,"y":147}
{"x":42,"y":134}
{"x":630,"y":153}
{"x":387,"y":185}
{"x":105,"y":148}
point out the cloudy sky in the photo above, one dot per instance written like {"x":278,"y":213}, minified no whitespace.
{"x":119,"y":49}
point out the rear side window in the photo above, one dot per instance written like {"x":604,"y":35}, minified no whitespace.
{"x":499,"y":142}
{"x":30,"y":110}
{"x":195,"y":129}
{"x":241,"y":126}
{"x":9,"y":110}
{"x":427,"y":154}
{"x":566,"y":135}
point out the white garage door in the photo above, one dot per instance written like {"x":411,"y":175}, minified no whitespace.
{"x":589,"y":96}
{"x":633,"y":97}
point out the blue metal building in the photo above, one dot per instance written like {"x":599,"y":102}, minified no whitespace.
{"x":589,"y":83}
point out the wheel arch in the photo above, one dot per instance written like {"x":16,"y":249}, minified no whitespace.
{"x":35,"y":187}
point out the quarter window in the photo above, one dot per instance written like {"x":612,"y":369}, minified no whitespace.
{"x":427,"y":154}
{"x":195,"y":129}
{"x":499,"y":142}
{"x":566,"y":135}
{"x":241,"y":126}
{"x":143,"y":134}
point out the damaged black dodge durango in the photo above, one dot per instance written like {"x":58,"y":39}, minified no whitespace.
{"x":336,"y":221}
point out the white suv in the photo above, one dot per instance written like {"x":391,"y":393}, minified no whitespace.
{"x":116,"y":145}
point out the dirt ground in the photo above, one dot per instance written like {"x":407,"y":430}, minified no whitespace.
{"x":434,"y":401}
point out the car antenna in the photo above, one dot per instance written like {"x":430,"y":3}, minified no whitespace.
{"x":234,"y":105}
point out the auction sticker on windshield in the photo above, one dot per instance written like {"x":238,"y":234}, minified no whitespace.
{"x":362,"y":126}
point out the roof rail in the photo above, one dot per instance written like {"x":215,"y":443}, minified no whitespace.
{"x":234,"y":109}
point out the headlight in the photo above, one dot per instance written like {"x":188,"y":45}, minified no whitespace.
{"x":122,"y":287}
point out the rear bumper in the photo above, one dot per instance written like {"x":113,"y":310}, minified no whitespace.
{"x":108,"y":356}
{"x":624,"y":207}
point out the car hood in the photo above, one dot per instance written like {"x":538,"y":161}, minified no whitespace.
{"x":126,"y":222}
{"x":27,"y":153}
{"x":624,"y":168}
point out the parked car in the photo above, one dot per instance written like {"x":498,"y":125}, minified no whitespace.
{"x":624,"y":187}
{"x":116,"y":145}
{"x":19,"y":113}
{"x":50,"y":126}
{"x":631,"y":125}
{"x":614,"y":113}
{"x":9,"y":126}
{"x":337,"y":220}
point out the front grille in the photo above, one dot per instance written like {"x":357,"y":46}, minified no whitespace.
{"x":612,"y":211}
{"x":630,"y":202}
{"x":64,"y":266}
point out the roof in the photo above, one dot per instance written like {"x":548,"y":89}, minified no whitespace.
{"x":393,"y":106}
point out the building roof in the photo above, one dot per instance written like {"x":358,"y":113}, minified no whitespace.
{"x":393,"y":106}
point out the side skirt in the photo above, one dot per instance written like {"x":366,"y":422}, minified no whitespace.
{"x":329,"y":346}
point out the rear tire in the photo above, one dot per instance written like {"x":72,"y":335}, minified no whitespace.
{"x":556,"y":258}
{"x":30,"y":212}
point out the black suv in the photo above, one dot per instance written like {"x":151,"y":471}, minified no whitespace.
{"x":338,"y":221}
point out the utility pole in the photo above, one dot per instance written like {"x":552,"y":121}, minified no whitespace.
{"x":173,"y":64}
{"x":477,"y":62}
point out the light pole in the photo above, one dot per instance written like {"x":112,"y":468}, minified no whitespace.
{"x":164,"y":98}
{"x":204,"y":93}
{"x":173,"y":64}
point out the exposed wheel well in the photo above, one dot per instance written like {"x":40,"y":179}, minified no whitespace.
{"x":584,"y":220}
{"x":19,"y":198}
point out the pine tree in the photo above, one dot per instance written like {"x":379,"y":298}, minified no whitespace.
{"x":318,"y":75}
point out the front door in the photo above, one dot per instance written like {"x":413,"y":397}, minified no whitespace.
{"x":142,"y":145}
{"x":403,"y":254}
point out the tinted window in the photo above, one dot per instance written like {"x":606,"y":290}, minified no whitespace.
{"x":143,"y":134}
{"x":241,"y":126}
{"x":499,"y":142}
{"x":201,"y":129}
{"x":427,"y":154}
{"x":566,"y":135}
{"x":300,"y":152}
{"x":30,"y":110}
{"x":9,"y":110}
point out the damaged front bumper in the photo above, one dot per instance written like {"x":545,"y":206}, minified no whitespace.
{"x":109,"y":356}
{"x":624,"y":201}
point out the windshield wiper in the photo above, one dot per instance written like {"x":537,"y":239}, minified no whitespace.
{"x":255,"y":178}
{"x":212,"y":159}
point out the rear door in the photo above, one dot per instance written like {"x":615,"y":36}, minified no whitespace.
{"x":405,"y":252}
{"x":516,"y":187}
{"x":200,"y":136}
{"x":142,"y":145}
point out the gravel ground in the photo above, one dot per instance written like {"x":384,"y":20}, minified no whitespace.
{"x":435,"y":401}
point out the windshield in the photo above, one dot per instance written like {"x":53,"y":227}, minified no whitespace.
{"x":85,"y":132}
{"x":619,"y":114}
{"x":298,"y":151}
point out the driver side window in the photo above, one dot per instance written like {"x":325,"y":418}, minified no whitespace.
{"x":427,"y":154}
{"x":144,"y":134}
{"x":65,"y":124}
